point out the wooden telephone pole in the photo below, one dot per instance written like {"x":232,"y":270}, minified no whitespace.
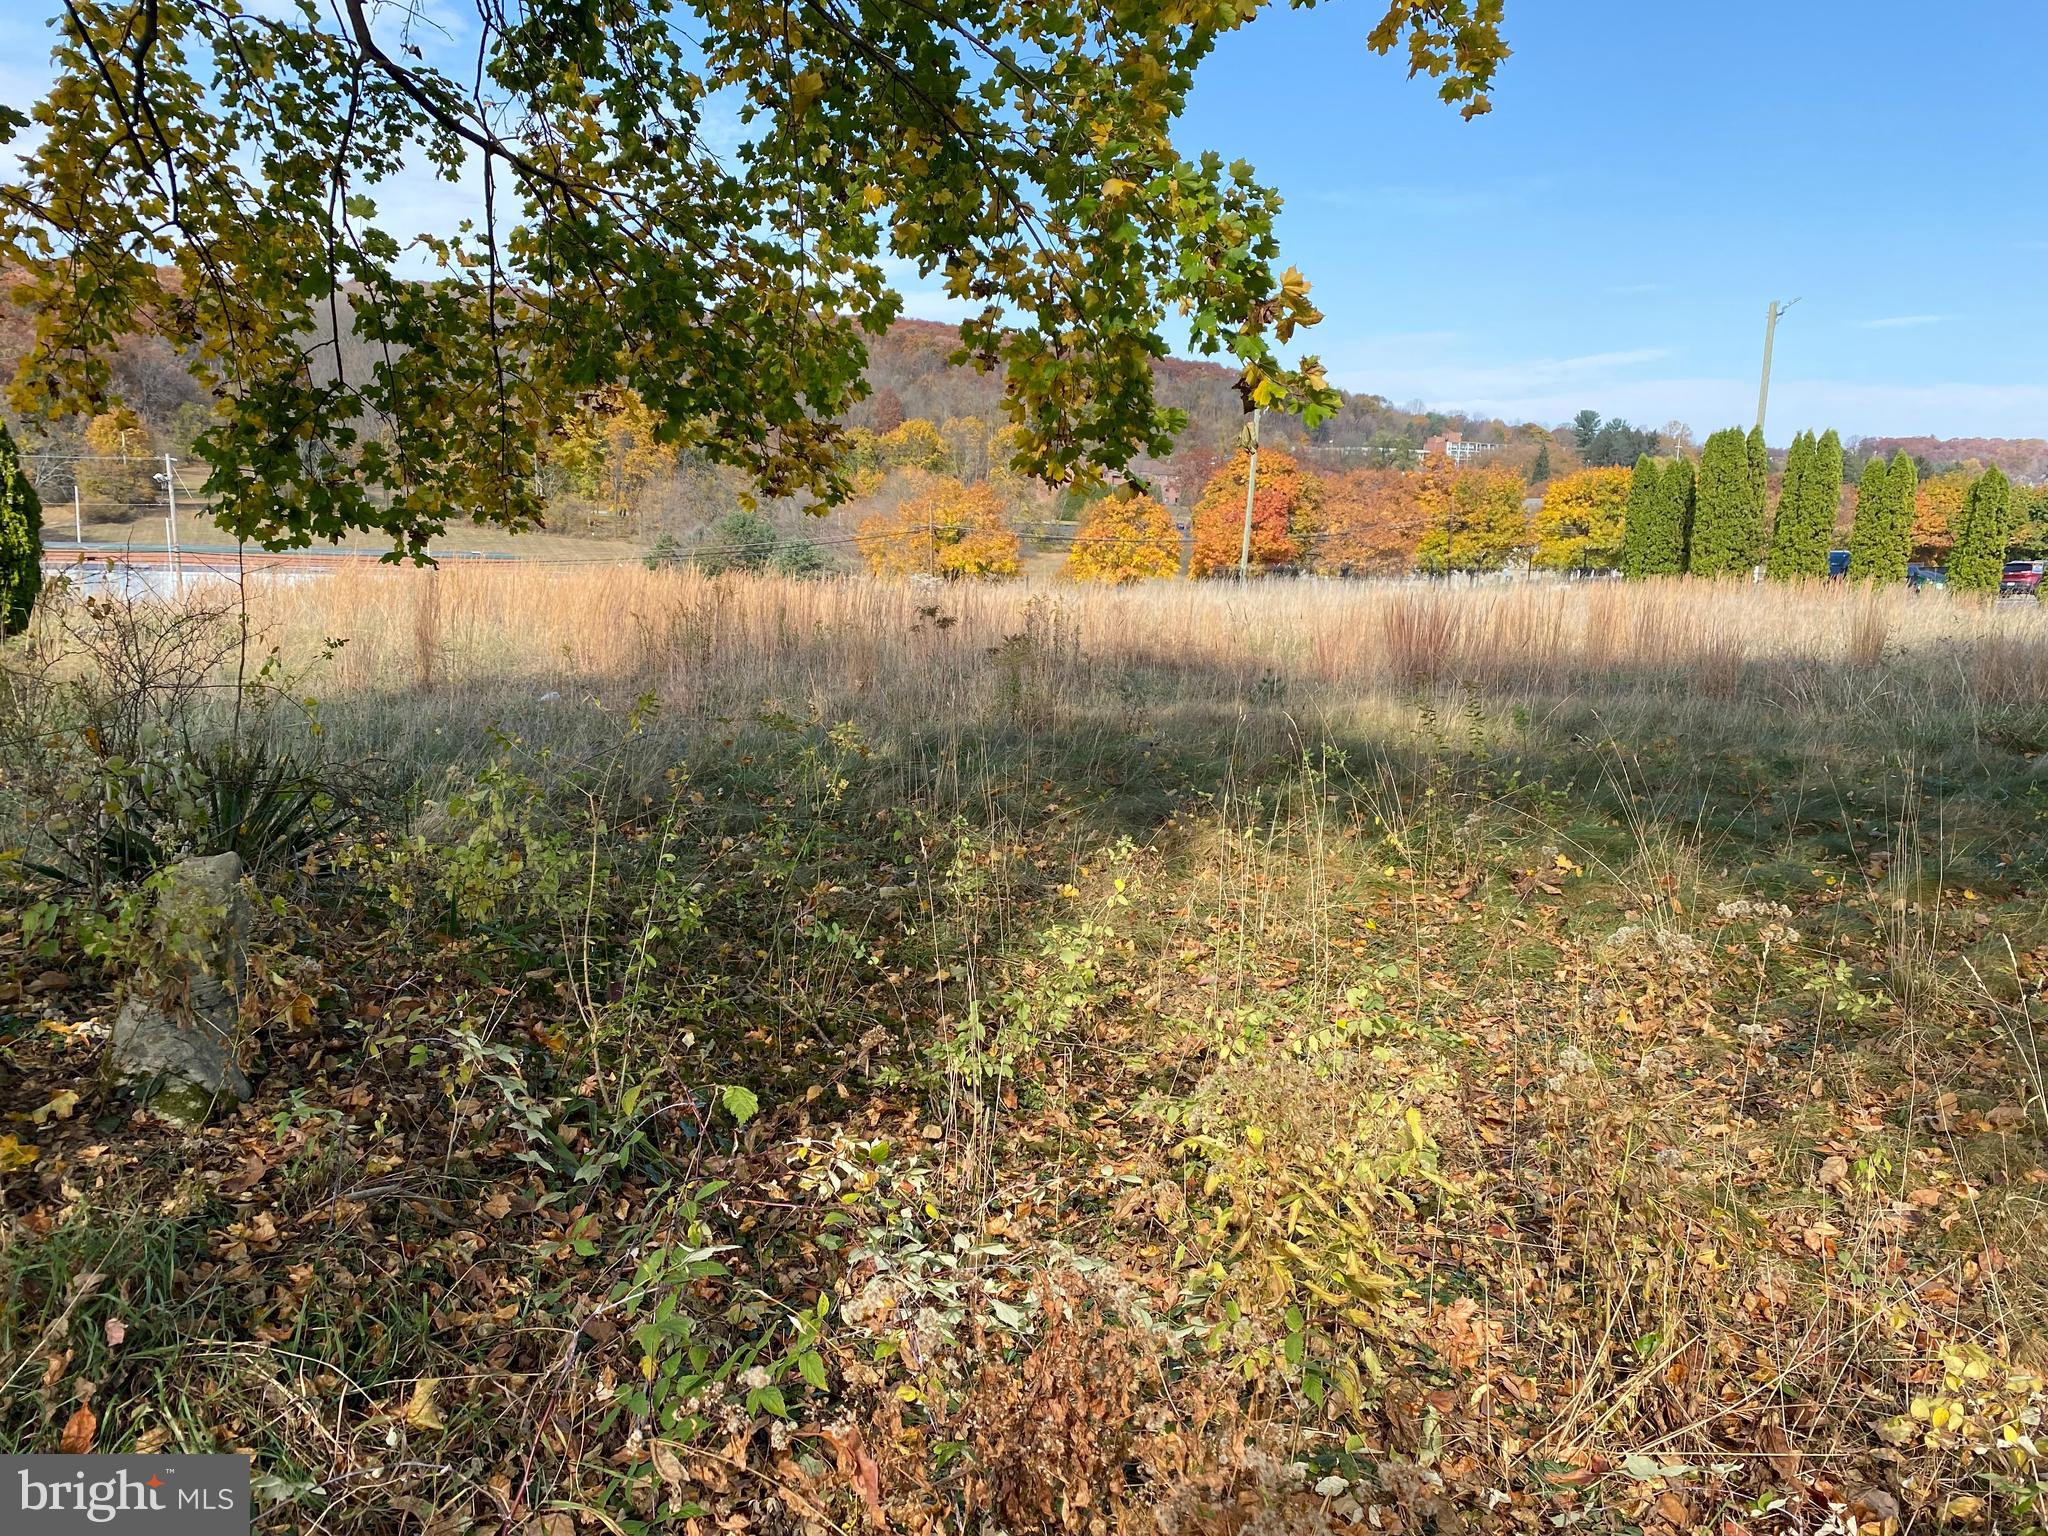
{"x":1763,"y":394}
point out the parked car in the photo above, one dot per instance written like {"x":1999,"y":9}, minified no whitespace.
{"x":1918,"y":575}
{"x":2022,"y":576}
{"x":1838,"y":564}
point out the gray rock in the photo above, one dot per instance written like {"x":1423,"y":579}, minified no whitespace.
{"x":177,"y":1040}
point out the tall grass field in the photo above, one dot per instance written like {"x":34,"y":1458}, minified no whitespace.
{"x":738,"y":1054}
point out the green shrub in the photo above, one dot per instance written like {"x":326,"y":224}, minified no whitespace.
{"x":21,"y":540}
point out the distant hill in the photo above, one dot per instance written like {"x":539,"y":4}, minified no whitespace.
{"x":2023,"y":458}
{"x":911,"y":376}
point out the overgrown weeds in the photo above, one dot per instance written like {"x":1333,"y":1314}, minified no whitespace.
{"x":1102,"y":1066}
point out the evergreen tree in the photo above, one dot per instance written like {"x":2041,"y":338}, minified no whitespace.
{"x":1541,"y":471}
{"x":1905,"y":498}
{"x":1759,"y":484}
{"x":1805,"y":527}
{"x":1881,"y":540}
{"x":1670,"y":555}
{"x":21,"y":540}
{"x":1639,"y":519}
{"x":1788,"y":528}
{"x":1726,"y":527}
{"x":1982,"y":533}
{"x":1824,"y":479}
{"x":1867,"y":534}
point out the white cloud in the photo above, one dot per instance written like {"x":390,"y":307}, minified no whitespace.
{"x":1898,"y":322}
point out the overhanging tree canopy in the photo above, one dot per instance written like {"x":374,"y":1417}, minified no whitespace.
{"x":1019,"y":149}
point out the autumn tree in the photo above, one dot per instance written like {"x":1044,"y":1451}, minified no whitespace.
{"x":210,"y":173}
{"x":1476,"y":519}
{"x":118,"y":464}
{"x":1285,"y":515}
{"x":1805,"y":525}
{"x":21,"y":540}
{"x":1983,"y":533}
{"x":1583,"y":520}
{"x":1125,"y":537}
{"x":944,"y":529}
{"x":612,"y":450}
{"x":1373,"y":521}
{"x":861,"y":461}
{"x":885,"y":411}
{"x":915,"y":444}
{"x":1938,"y":513}
{"x":1727,"y":527}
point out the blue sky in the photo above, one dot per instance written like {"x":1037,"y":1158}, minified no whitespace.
{"x":1650,"y":177}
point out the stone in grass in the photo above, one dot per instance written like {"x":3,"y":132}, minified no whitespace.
{"x":176,"y":1042}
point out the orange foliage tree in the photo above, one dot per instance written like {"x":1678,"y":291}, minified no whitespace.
{"x":1372,"y":521}
{"x":1936,"y":507}
{"x":1285,"y":515}
{"x":1125,"y":538}
{"x":946,"y":529}
{"x":1579,"y":525}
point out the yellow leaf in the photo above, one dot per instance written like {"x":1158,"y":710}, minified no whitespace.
{"x":874,"y":197}
{"x":421,"y":1412}
{"x":1255,"y":1136}
{"x":59,"y":1108}
{"x":15,"y":1154}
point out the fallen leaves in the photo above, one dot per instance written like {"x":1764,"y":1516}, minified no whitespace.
{"x":79,"y":1430}
{"x":422,"y":1410}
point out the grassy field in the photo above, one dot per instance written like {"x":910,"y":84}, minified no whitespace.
{"x":813,"y":1057}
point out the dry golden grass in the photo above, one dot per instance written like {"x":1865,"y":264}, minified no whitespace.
{"x":694,"y":639}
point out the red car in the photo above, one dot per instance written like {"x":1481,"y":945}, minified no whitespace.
{"x":2023,"y":576}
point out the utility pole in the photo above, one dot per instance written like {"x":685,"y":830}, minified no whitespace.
{"x":77,"y":517}
{"x":1251,"y":485}
{"x":171,"y":522}
{"x":1763,"y":394}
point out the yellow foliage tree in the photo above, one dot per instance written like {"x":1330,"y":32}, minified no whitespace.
{"x":915,"y":444}
{"x":1476,"y":518}
{"x":119,"y":463}
{"x":1125,"y":538}
{"x":861,"y":453}
{"x":947,"y":529}
{"x":1579,"y":525}
{"x":611,"y":452}
{"x":1936,"y":506}
{"x":967,"y":446}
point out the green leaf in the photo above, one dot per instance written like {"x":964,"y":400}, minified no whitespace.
{"x":739,"y":1102}
{"x":812,"y":1369}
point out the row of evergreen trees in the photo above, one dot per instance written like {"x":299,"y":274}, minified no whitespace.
{"x":1709,"y":523}
{"x":1712,"y":522}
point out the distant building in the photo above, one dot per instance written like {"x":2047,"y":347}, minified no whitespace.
{"x":1452,"y":445}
